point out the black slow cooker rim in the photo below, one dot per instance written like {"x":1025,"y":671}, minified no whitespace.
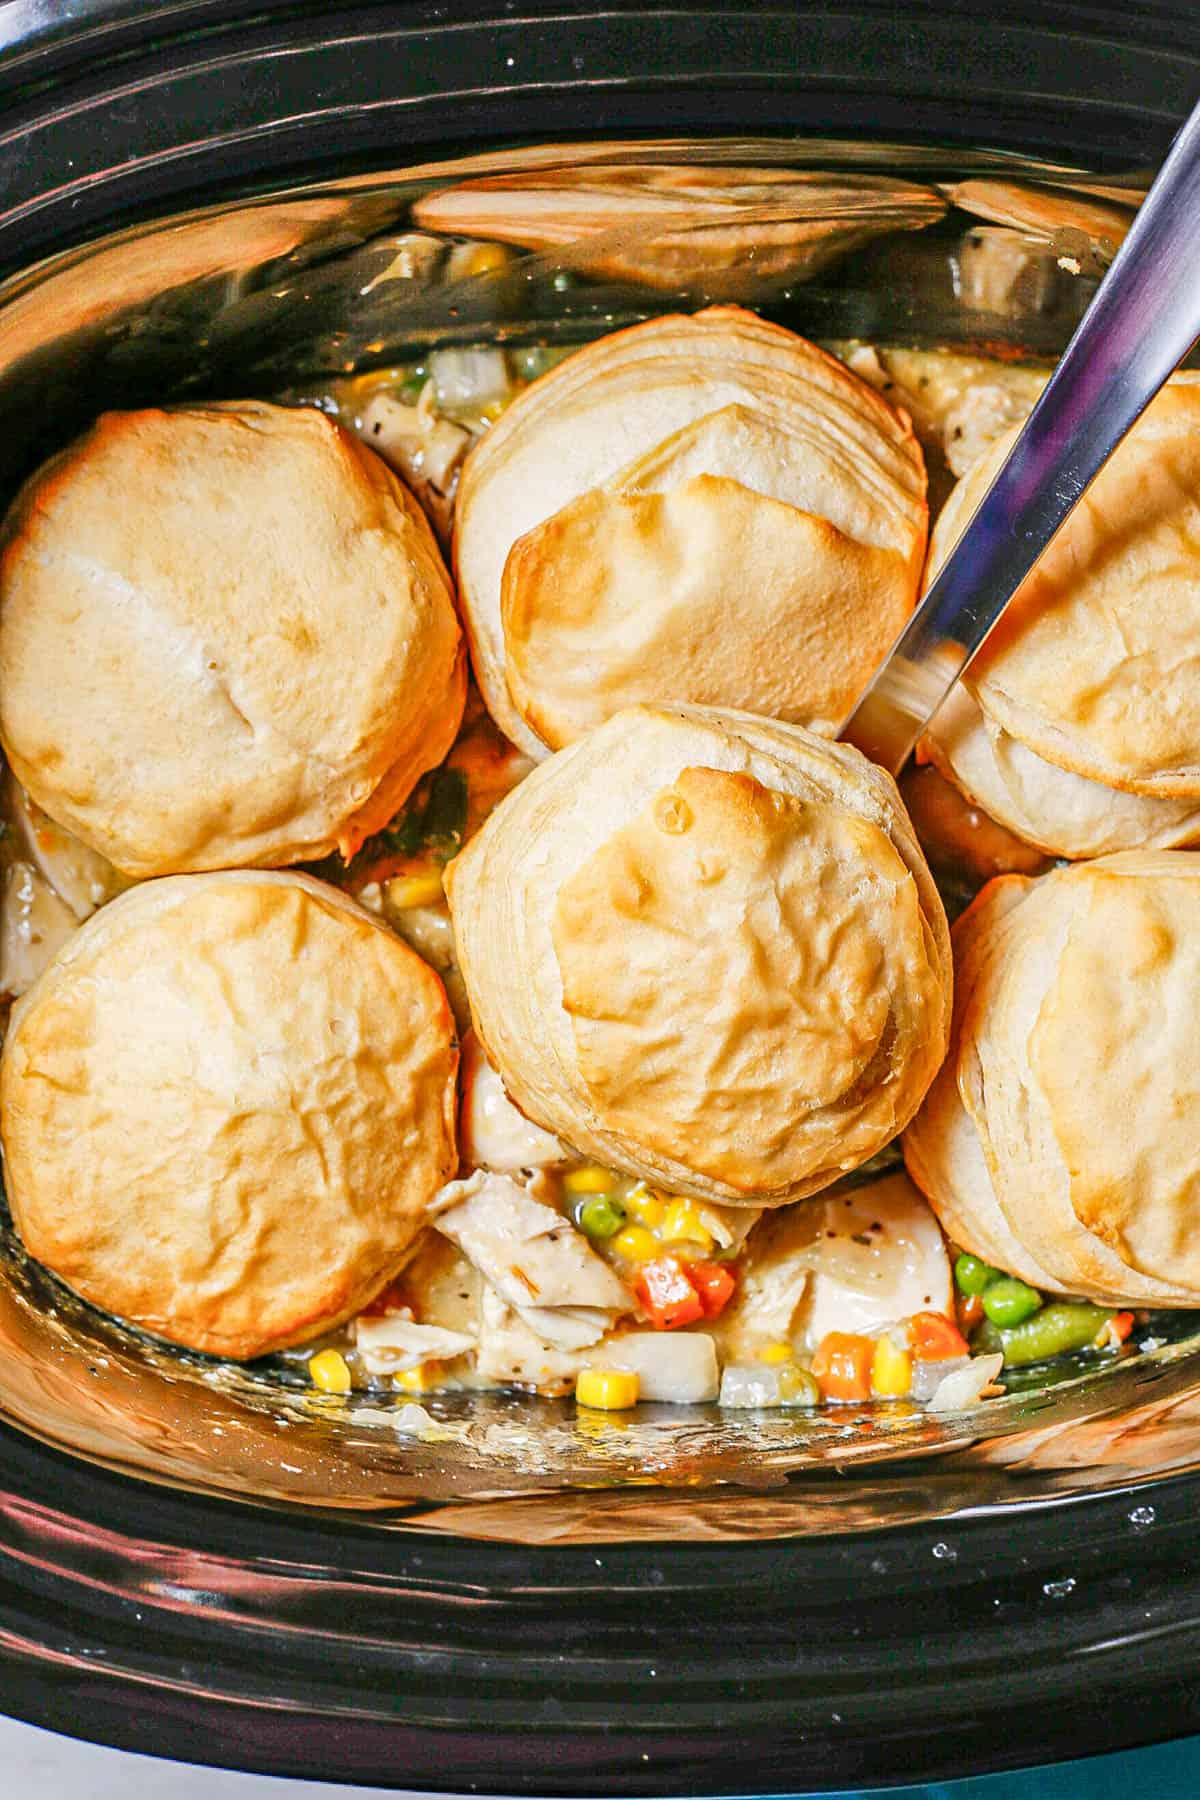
{"x":999,"y":1640}
{"x":207,"y":1629}
{"x":119,"y":112}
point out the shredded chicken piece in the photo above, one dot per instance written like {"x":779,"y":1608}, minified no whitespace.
{"x":394,"y":1340}
{"x":492,"y":1132}
{"x":534,"y":1258}
{"x":730,"y":1225}
{"x":34,"y":926}
{"x":511,"y":1351}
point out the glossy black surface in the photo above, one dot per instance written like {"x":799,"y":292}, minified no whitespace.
{"x":403,"y":1657}
{"x":112,"y":108}
{"x":1031,"y":1595}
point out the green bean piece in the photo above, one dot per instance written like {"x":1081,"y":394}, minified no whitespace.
{"x":601,"y":1217}
{"x":972,"y":1274}
{"x":445,"y":816}
{"x":1009,"y":1302}
{"x":1061,"y":1326}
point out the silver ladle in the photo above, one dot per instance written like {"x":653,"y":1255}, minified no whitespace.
{"x":1141,"y":324}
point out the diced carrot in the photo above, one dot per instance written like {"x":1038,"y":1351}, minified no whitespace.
{"x":667,"y":1296}
{"x":1121,"y":1324}
{"x":934,"y":1338}
{"x":842,"y":1366}
{"x":969,"y":1308}
{"x":714,"y":1283}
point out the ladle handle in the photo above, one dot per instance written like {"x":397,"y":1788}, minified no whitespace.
{"x":1142,"y":322}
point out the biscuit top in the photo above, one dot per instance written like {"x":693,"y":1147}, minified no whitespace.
{"x":226,"y":638}
{"x":1094,"y":665}
{"x":226,"y":1107}
{"x":1058,"y":1139}
{"x":704,"y":948}
{"x":707,"y":509}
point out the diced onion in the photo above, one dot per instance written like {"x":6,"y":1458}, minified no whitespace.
{"x":468,"y":378}
{"x":678,"y":1367}
{"x":750,"y":1384}
{"x":927,"y":1377}
{"x":964,"y":1385}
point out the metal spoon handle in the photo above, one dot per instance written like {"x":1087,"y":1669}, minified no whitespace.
{"x":1143,"y":320}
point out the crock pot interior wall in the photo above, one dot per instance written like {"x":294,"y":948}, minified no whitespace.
{"x":115,"y":112}
{"x":969,"y":1632}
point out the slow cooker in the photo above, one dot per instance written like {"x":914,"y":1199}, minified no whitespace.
{"x":203,"y":197}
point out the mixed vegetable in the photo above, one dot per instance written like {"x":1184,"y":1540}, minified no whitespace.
{"x":571,"y":1277}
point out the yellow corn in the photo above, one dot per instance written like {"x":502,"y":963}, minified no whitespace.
{"x":775,"y":1353}
{"x":415,"y":1381}
{"x":486,"y":257}
{"x":636,"y":1244}
{"x":415,"y":890}
{"x":683,"y":1224}
{"x":330,"y":1371}
{"x":646,"y":1205}
{"x":891,"y":1370}
{"x":590,"y":1179}
{"x":607,"y":1390}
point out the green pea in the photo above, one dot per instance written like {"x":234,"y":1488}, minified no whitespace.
{"x":798,"y":1387}
{"x":1008,"y":1302}
{"x":972,"y":1274}
{"x":1061,"y":1326}
{"x":601,"y":1217}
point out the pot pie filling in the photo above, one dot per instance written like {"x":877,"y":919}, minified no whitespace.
{"x":694,"y":972}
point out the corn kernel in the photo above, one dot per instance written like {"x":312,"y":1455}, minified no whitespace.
{"x":590,"y":1179}
{"x":636,"y":1244}
{"x":775,"y":1353}
{"x":683,"y":1224}
{"x":415,"y":1381}
{"x":330,"y":1371}
{"x":404,"y":891}
{"x":484,"y":258}
{"x":646,"y":1205}
{"x":891,"y":1370}
{"x":607,"y":1390}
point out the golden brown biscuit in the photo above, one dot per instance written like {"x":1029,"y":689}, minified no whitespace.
{"x":1060,"y":1139}
{"x":1048,"y":212}
{"x":1094,"y":666}
{"x":704,"y":948}
{"x":1062,"y":813}
{"x":662,"y":225}
{"x":226,"y":637}
{"x":226,"y":1107}
{"x":706,"y":509}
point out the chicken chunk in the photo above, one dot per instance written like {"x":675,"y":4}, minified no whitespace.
{"x":533,"y":1258}
{"x":34,"y":925}
{"x":492,"y":1134}
{"x":854,"y":1259}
